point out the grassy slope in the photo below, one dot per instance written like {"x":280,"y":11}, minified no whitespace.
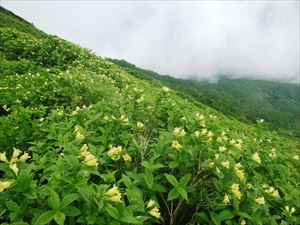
{"x":247,"y":100}
{"x":52,"y":90}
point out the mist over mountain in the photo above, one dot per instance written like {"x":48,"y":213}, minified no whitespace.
{"x":247,"y":39}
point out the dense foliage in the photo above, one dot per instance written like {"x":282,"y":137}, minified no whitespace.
{"x":247,"y":100}
{"x":84,"y":142}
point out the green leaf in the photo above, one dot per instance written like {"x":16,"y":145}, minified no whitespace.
{"x":173,"y":164}
{"x":173,"y":194}
{"x":129,"y":219}
{"x":113,"y":212}
{"x":182,"y":192}
{"x":91,"y":219}
{"x":68,"y":200}
{"x":134,"y":195}
{"x":215,"y":219}
{"x":225,"y":215}
{"x":54,"y":200}
{"x":148,"y":178}
{"x":172,"y":179}
{"x":13,"y":206}
{"x":126,"y":180}
{"x":185,"y":179}
{"x":71,"y":211}
{"x":59,"y":218}
{"x":45,"y":217}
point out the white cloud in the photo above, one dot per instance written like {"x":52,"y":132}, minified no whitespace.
{"x":258,"y":39}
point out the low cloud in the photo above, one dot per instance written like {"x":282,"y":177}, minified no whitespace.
{"x":258,"y":39}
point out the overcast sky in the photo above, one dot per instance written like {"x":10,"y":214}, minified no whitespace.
{"x":257,"y":39}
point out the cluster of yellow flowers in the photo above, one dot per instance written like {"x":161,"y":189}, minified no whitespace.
{"x":114,"y":152}
{"x":154,"y":211}
{"x":238,"y":172}
{"x":179,"y":132}
{"x":89,"y":158}
{"x":260,"y":201}
{"x":124,"y":119}
{"x":236,"y":143}
{"x":256,"y":158}
{"x":203,"y":132}
{"x":166,"y":89}
{"x":226,"y":164}
{"x":14,"y":159}
{"x":141,"y":99}
{"x":201,"y":119}
{"x":114,"y":195}
{"x":226,"y":199}
{"x":222,"y":137}
{"x":176,"y":145}
{"x":5,"y":185}
{"x":235,"y":189}
{"x":78,"y":135}
{"x":271,"y":191}
{"x":289,"y":210}
{"x":272,"y":154}
{"x":140,"y":125}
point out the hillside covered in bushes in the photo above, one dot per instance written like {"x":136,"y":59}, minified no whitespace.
{"x":84,"y":142}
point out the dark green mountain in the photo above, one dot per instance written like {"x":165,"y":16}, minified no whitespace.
{"x":247,"y":100}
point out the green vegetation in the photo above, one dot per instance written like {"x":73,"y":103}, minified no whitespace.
{"x":247,"y":100}
{"x":84,"y":142}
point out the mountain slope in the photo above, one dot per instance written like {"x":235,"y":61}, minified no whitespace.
{"x":247,"y":100}
{"x":84,"y":142}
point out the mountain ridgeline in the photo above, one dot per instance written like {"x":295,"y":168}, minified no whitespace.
{"x":85,"y":141}
{"x":247,"y":100}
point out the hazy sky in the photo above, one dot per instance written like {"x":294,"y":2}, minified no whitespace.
{"x":258,"y":39}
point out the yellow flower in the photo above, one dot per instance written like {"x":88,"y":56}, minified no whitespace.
{"x":222,"y":149}
{"x":226,"y":164}
{"x":243,"y":222}
{"x":226,"y":199}
{"x":203,"y":132}
{"x":112,"y":191}
{"x":24,"y":157}
{"x":197,"y":133}
{"x":166,"y":89}
{"x":116,"y":198}
{"x":3,"y":157}
{"x":218,"y":170}
{"x":176,"y":145}
{"x":199,"y":116}
{"x":150,"y":203}
{"x":178,"y":132}
{"x":296,"y":157}
{"x":155,"y":212}
{"x":210,"y":134}
{"x":127,"y":157}
{"x":115,"y":153}
{"x":140,"y":125}
{"x":249,"y":186}
{"x":90,"y":160}
{"x":235,"y":190}
{"x":272,"y":155}
{"x":217,"y":156}
{"x":240,"y":174}
{"x":15,"y":154}
{"x":219,"y":139}
{"x":255,"y":157}
{"x":14,"y":168}
{"x":238,"y":146}
{"x":84,"y":148}
{"x":4,"y":185}
{"x":260,"y":200}
{"x":272,"y":192}
{"x":212,"y":165}
{"x":79,"y":136}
